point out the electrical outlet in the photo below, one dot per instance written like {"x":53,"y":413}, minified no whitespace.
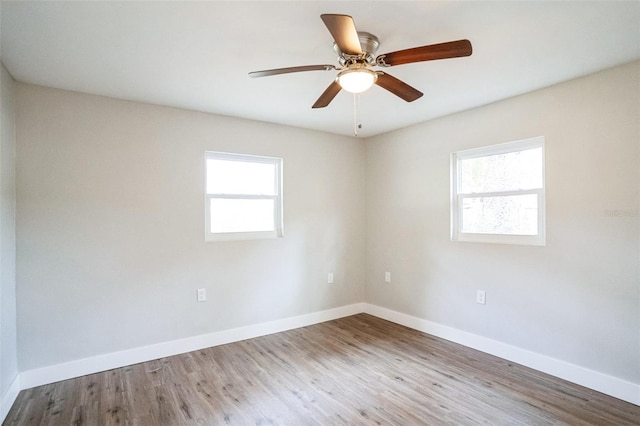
{"x":387,"y":277}
{"x":202,"y":294}
{"x":330,"y":278}
{"x":481,"y":297}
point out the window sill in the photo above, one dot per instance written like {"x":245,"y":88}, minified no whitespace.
{"x":239,"y":236}
{"x":526,"y":240}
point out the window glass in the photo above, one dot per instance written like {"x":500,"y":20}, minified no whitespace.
{"x":240,"y":177}
{"x":502,"y":172}
{"x":511,"y":215}
{"x":231,"y":215}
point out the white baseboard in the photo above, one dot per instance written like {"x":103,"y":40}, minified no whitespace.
{"x":81,"y":367}
{"x":9,"y":398}
{"x":600,"y":382}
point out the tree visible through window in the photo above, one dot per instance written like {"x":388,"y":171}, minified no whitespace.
{"x":498,"y":193}
{"x":243,"y":196}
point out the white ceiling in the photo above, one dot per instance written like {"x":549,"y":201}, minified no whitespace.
{"x":196,"y":55}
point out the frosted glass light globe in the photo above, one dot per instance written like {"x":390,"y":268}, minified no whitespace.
{"x":357,"y":80}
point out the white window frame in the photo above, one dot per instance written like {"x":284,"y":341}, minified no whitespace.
{"x":457,"y":198}
{"x":278,"y":226}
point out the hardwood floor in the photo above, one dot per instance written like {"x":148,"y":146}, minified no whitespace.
{"x":355,"y":370}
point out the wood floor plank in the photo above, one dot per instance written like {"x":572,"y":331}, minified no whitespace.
{"x":351,"y":371}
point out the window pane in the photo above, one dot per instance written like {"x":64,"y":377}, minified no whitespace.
{"x":230,"y":215}
{"x":240,"y":177}
{"x":511,"y":215}
{"x":502,"y":172}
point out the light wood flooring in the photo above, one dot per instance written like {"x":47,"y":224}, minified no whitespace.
{"x":355,"y":370}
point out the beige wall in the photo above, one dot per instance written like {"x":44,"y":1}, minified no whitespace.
{"x":111,"y":242}
{"x":111,"y":246}
{"x":8,"y":345}
{"x":578,"y":298}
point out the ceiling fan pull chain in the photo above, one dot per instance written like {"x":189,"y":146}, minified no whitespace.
{"x":355,"y":114}
{"x":356,"y":109}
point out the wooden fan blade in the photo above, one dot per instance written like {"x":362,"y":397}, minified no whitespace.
{"x":451,"y":49}
{"x":343,"y":30}
{"x":328,"y":95}
{"x":398,"y":87}
{"x":277,"y":71}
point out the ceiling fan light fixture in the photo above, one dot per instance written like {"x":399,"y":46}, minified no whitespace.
{"x":356,"y":80}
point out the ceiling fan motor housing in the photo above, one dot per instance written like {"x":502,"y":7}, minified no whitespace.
{"x":369,"y":44}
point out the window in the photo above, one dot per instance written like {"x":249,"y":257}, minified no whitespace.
{"x":497,"y":193}
{"x":243,"y":197}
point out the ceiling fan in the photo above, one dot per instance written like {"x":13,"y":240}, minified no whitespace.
{"x":356,"y":56}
